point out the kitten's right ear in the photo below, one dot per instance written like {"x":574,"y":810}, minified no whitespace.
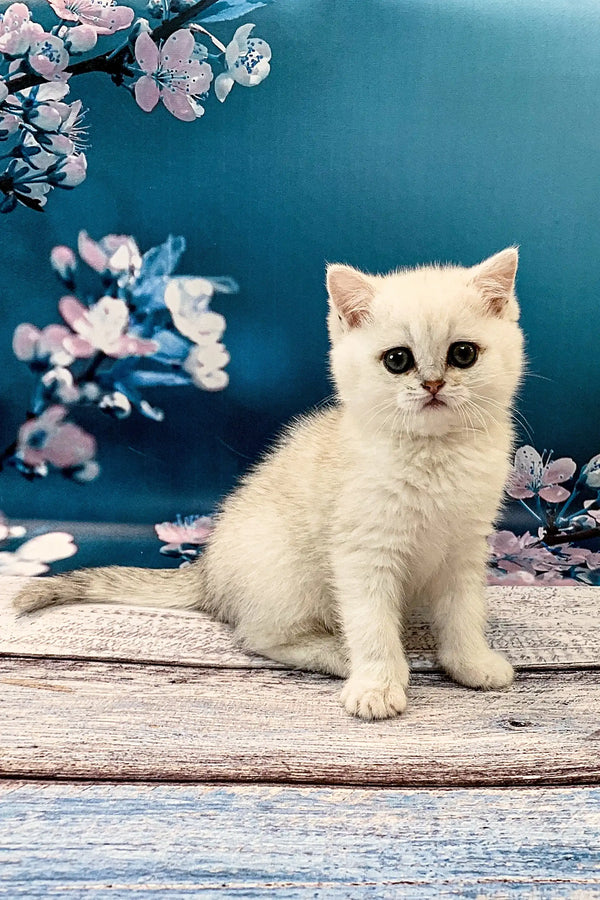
{"x":350,"y":293}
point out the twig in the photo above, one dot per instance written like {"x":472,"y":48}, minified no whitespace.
{"x":552,"y":538}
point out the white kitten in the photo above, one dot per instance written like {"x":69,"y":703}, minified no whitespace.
{"x":380,"y":501}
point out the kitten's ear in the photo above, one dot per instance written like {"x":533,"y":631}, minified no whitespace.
{"x":350,"y":293}
{"x":494,"y":278}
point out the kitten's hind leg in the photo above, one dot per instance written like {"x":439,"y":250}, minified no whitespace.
{"x":314,"y":652}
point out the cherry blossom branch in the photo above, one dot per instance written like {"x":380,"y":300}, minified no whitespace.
{"x":112,"y":62}
{"x":553,"y":538}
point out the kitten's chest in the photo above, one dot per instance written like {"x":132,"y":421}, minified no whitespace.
{"x":429,"y":497}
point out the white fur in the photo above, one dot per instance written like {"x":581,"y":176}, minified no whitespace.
{"x":377,"y":502}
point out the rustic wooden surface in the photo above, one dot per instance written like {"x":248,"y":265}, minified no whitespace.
{"x":546,"y":626}
{"x":109,"y":694}
{"x":106,"y":841}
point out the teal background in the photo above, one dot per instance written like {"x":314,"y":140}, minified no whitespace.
{"x":390,"y":132}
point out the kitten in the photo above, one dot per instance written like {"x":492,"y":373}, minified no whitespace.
{"x":383,"y":500}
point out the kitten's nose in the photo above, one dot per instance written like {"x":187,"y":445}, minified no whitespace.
{"x":433,"y":386}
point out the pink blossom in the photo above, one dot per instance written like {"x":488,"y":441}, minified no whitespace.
{"x":104,"y":16}
{"x":63,"y":261}
{"x":48,"y":439}
{"x":32,"y":345}
{"x":190,"y":530}
{"x":114,"y":253}
{"x":532,"y":476}
{"x":17,"y":31}
{"x":102,"y":326}
{"x":171,"y":74}
{"x":47,"y":55}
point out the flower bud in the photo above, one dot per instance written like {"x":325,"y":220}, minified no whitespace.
{"x":64,"y":262}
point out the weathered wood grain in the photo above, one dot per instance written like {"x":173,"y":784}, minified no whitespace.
{"x":75,"y":719}
{"x":103,"y":841}
{"x":537,"y":627}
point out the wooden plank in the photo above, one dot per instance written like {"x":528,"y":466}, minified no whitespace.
{"x":103,"y":841}
{"x":90,"y":720}
{"x":537,"y":627}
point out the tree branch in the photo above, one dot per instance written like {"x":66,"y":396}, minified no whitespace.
{"x":553,"y":538}
{"x":112,"y":62}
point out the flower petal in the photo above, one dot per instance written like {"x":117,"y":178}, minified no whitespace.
{"x":178,"y":104}
{"x":177,"y":49}
{"x":146,"y":53}
{"x":223,"y":85}
{"x":48,"y":547}
{"x":147,"y":93}
{"x":560,"y":470}
{"x":24,"y":341}
{"x":529,"y":462}
{"x":554,"y":494}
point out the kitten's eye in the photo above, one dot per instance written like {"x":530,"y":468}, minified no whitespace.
{"x":463,"y":354}
{"x":398,"y":360}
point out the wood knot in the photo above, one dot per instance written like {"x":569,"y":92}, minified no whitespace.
{"x":514,"y":724}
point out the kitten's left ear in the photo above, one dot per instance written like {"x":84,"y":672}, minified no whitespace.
{"x":494,"y":278}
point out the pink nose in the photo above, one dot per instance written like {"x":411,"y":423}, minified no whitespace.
{"x":433,"y":386}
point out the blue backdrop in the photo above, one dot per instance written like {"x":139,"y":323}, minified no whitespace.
{"x":390,"y":132}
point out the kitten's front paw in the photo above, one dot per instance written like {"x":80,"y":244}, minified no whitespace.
{"x":370,"y":700}
{"x":490,"y":671}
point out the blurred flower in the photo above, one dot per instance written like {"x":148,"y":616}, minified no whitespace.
{"x":184,"y":537}
{"x":102,"y":326}
{"x":187,"y":300}
{"x":9,"y":531}
{"x":59,"y":385}
{"x":525,"y":560}
{"x":188,"y":530}
{"x":64,"y":262}
{"x":47,"y":55}
{"x":104,"y":16}
{"x":17,"y":31}
{"x":171,"y":74}
{"x":32,"y":557}
{"x":591,"y":472}
{"x":247,"y":61}
{"x":115,"y":254}
{"x":512,"y":552}
{"x":46,"y":346}
{"x":531,"y":476}
{"x":205,"y":366}
{"x":116,"y":404}
{"x":49,"y":439}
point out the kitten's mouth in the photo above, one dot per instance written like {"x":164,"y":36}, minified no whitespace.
{"x":434,"y":403}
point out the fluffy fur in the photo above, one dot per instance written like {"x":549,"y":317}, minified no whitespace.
{"x":383,"y":500}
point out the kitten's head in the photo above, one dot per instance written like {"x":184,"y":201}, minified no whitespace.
{"x":427,"y":351}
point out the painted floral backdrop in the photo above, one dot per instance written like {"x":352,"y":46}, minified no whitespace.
{"x":133,"y":161}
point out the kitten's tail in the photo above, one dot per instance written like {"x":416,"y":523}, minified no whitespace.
{"x":166,"y":588}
